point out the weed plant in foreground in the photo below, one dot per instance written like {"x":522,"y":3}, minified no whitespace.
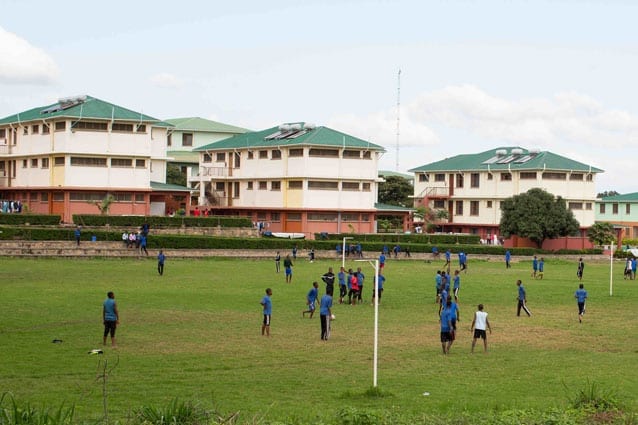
{"x":193,"y":335}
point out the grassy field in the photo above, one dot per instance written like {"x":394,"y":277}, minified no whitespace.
{"x":194,"y":334}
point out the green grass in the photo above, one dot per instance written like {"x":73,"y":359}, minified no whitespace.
{"x":194,"y":334}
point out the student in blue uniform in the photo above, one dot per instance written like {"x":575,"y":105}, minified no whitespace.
{"x":456,"y":285}
{"x":508,"y":258}
{"x":581,"y":297}
{"x":266,"y":304}
{"x":311,"y":300}
{"x":110,"y":317}
{"x":522,"y":299}
{"x":379,"y":285}
{"x":447,"y":338}
{"x":160,"y":262}
{"x":534,"y":267}
{"x":343,"y":288}
{"x":325,"y":312}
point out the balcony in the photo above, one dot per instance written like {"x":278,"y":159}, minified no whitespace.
{"x":207,"y":171}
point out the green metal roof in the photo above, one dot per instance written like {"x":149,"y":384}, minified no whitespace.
{"x":387,"y":173}
{"x":307,"y":135}
{"x":85,"y":107}
{"x":388,"y":207}
{"x":627,"y":197}
{"x":203,"y":125}
{"x":166,"y":187}
{"x":183,"y":156}
{"x":507,"y":158}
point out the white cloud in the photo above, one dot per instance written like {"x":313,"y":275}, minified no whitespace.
{"x":166,"y":80}
{"x":20,"y":62}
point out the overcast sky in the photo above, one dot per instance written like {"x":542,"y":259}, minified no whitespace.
{"x":475,"y":75}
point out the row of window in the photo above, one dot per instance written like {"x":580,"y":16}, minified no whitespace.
{"x":292,"y":153}
{"x":614,"y":208}
{"x":345,"y":217}
{"x":59,"y":161}
{"x":475,"y":178}
{"x":44,"y":128}
{"x":85,"y":197}
{"x":299,"y":185}
{"x":474,"y":206}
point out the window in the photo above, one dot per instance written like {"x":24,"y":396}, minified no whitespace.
{"x":35,"y":129}
{"x":45,"y":128}
{"x":3,"y":133}
{"x":423,"y":177}
{"x":122,"y":197}
{"x":367,"y":155}
{"x":474,"y":207}
{"x":577,"y":176}
{"x":459,"y":180}
{"x":44,"y":197}
{"x":627,"y":208}
{"x":87,"y":161}
{"x":263,"y":154}
{"x":45,"y":162}
{"x":295,"y":184}
{"x":235,"y":189}
{"x":614,"y":208}
{"x":554,"y":176}
{"x":351,"y":154}
{"x":121,"y":162}
{"x":588,"y":206}
{"x":249,"y":185}
{"x":169,"y":139}
{"x":58,"y":161}
{"x":365,"y":187}
{"x":275,"y":154}
{"x":34,"y":162}
{"x":459,"y":207}
{"x":87,"y":196}
{"x":295,"y":152}
{"x":25,"y":130}
{"x":439,"y":204}
{"x":475,"y":179}
{"x":250,"y":154}
{"x":140,"y":163}
{"x":322,"y":217}
{"x":327,"y":153}
{"x":220,"y":157}
{"x":187,"y":139}
{"x":263,"y":185}
{"x":88,"y":125}
{"x":575,"y":205}
{"x":590,"y":177}
{"x":139,"y":198}
{"x":58,"y":196}
{"x":323,"y":185}
{"x":24,"y":163}
{"x":118,"y":126}
{"x":489,"y":204}
{"x":60,"y":126}
{"x":220,"y":186}
{"x":602,"y":208}
{"x":528,"y":175}
{"x":294,"y":217}
{"x":261,"y":216}
{"x":207,"y":158}
{"x":275,"y":217}
{"x":140,"y":128}
{"x":349,"y":186}
{"x":275,"y":185}
{"x":439,"y":177}
{"x":365,"y":217}
{"x":349,"y":217}
{"x":506,"y":177}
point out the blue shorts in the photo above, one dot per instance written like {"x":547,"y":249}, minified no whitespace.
{"x":311,"y":307}
{"x":288,"y":271}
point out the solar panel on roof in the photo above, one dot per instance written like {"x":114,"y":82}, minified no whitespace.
{"x":492,"y":160}
{"x":54,"y":108}
{"x":297,"y":134}
{"x":507,"y":160}
{"x":273,"y":136}
{"x":523,"y":159}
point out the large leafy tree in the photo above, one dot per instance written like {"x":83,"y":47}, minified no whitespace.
{"x":537,"y":215}
{"x":607,"y":193}
{"x":396,"y":190}
{"x":601,"y":233}
{"x":174,"y":175}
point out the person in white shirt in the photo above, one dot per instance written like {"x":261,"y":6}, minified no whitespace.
{"x":479,"y":325}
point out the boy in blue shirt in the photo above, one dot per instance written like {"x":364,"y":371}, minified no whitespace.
{"x":581,"y":297}
{"x":311,"y":299}
{"x":522,"y":299}
{"x":343,"y":289}
{"x":534,"y":267}
{"x":266,"y":303}
{"x":446,"y":332}
{"x":325,"y":312}
{"x":160,"y":262}
{"x":457,"y":285}
{"x":110,"y":317}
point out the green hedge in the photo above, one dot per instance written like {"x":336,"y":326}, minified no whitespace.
{"x":370,"y":249}
{"x":160,"y":221}
{"x":422,"y":238}
{"x":34,"y":219}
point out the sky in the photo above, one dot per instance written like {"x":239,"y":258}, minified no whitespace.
{"x":427,"y":79}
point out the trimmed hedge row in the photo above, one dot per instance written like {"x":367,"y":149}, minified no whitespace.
{"x":370,"y":249}
{"x":160,"y":221}
{"x":421,"y":238}
{"x":34,"y":219}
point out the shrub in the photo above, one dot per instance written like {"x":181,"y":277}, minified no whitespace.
{"x":33,"y":219}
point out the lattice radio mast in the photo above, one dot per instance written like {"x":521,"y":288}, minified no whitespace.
{"x":398,"y":119}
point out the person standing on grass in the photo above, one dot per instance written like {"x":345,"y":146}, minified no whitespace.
{"x":633,"y":268}
{"x":522,"y":299}
{"x":379,"y":285}
{"x":160,"y":262}
{"x":381,"y":260}
{"x":288,"y":268}
{"x":311,"y":299}
{"x":541,"y":268}
{"x":343,"y":289}
{"x":277,"y":262}
{"x":581,"y":297}
{"x":479,"y":325}
{"x":329,"y":279}
{"x":143,"y":244}
{"x":508,"y":258}
{"x":360,"y":278}
{"x":294,"y":252}
{"x":456,"y":285}
{"x":438,"y":283}
{"x":448,"y":257}
{"x":325,"y":314}
{"x":266,"y":303}
{"x":354,"y":288}
{"x":447,"y":337}
{"x":534,"y":267}
{"x":580,"y":269}
{"x":110,"y":317}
